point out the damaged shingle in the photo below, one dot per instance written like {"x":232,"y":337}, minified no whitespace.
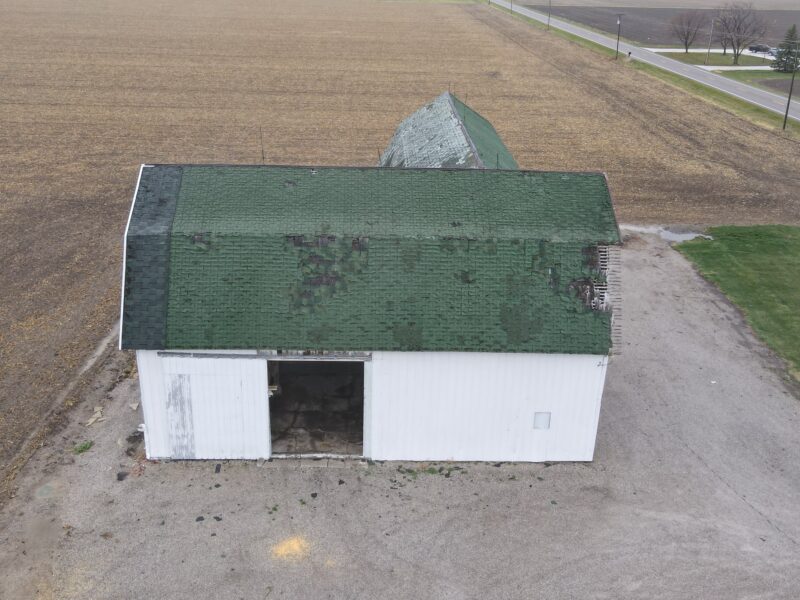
{"x":447,"y":134}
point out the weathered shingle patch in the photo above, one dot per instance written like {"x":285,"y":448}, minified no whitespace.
{"x":446,"y":133}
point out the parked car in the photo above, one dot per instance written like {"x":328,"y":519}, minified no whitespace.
{"x":760,"y":48}
{"x":773,"y":52}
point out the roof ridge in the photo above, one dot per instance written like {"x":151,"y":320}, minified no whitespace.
{"x":463,"y":127}
{"x":372,"y":168}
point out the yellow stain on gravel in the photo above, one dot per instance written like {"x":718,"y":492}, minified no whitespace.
{"x":292,"y":548}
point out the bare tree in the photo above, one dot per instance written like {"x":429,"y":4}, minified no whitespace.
{"x":740,"y":25}
{"x":686,"y":25}
{"x":722,"y":37}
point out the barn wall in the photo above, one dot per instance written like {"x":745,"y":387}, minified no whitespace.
{"x":213,"y":408}
{"x":154,"y":407}
{"x":471,"y":406}
{"x":417,"y":406}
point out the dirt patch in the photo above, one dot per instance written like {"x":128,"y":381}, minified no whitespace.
{"x":89,"y":92}
{"x":92,"y":386}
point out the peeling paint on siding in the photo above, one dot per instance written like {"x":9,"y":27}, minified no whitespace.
{"x":179,"y":415}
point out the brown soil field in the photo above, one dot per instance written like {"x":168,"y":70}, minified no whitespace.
{"x":650,"y":26}
{"x":93,"y":88}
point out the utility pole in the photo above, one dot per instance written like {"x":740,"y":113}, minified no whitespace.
{"x":791,"y":87}
{"x":549,"y":10}
{"x":710,"y":38}
{"x":619,"y":31}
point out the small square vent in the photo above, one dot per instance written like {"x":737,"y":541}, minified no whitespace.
{"x":541,"y":420}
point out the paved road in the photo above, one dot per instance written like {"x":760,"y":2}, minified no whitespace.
{"x":762,"y":98}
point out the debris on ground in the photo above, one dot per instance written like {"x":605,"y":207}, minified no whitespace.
{"x":97,"y":417}
{"x":134,"y":450}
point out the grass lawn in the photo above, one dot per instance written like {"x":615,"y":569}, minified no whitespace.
{"x":750,"y":76}
{"x":717,"y":60}
{"x":758,"y":268}
{"x":762,"y":79}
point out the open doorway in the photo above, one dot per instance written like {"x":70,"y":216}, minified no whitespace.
{"x":316,"y":407}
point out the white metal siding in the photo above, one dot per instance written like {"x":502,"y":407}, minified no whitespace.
{"x":211,"y":408}
{"x":480,"y":406}
{"x":417,"y":406}
{"x":154,"y":406}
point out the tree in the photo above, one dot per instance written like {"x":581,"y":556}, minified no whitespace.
{"x":721,"y":37}
{"x":786,"y":58}
{"x":741,"y":25}
{"x":723,"y":40}
{"x":686,"y":25}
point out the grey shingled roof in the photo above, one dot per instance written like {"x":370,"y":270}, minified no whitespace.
{"x":446,"y":133}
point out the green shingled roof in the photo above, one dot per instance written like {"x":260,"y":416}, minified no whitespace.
{"x":366,"y":259}
{"x":491,"y":150}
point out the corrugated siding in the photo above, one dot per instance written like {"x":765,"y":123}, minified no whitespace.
{"x":417,"y":406}
{"x":204,"y":407}
{"x":480,"y":406}
{"x":154,"y":407}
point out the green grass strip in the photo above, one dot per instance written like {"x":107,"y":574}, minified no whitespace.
{"x":758,"y":268}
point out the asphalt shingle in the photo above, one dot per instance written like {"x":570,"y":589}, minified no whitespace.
{"x":331,"y":258}
{"x":446,"y":133}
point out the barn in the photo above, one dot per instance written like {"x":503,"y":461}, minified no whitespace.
{"x":387,"y":313}
{"x":446,"y":133}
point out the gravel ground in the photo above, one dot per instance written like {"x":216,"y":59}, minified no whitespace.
{"x":692,"y":494}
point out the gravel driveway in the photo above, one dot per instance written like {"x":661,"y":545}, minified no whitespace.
{"x":693,"y":492}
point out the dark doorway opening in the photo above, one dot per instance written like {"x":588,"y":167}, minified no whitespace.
{"x":316,"y":407}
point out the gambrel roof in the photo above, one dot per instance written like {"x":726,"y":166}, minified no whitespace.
{"x":332,"y":258}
